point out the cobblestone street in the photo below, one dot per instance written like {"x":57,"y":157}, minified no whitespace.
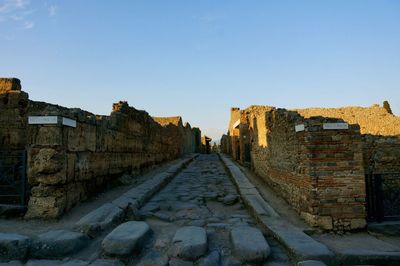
{"x":202,"y":196}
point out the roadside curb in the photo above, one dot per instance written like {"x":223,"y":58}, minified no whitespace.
{"x":299,"y":245}
{"x":100,"y":219}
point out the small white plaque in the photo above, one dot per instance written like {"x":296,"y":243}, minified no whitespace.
{"x":299,"y":128}
{"x":68,"y":122}
{"x":42,"y":120}
{"x":335,"y":126}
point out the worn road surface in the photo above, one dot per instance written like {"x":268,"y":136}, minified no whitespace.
{"x":201,"y":195}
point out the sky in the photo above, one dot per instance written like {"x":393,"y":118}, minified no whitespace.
{"x":199,"y":58}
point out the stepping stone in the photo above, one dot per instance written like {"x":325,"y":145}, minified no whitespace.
{"x":154,"y":258}
{"x":13,"y":247}
{"x":104,"y":262}
{"x":58,"y":244}
{"x":230,"y":199}
{"x":126,"y":238}
{"x":100,"y":219}
{"x":212,"y":259}
{"x":189,"y":242}
{"x":249,"y":244}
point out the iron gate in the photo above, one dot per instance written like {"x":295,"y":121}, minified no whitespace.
{"x":13,"y":177}
{"x":383,"y":197}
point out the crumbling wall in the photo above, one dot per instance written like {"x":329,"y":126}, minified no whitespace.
{"x":317,"y":170}
{"x":13,"y":126}
{"x":67,"y":162}
{"x":13,"y":116}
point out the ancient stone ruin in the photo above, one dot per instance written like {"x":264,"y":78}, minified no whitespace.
{"x":284,"y":187}
{"x":70,"y":154}
{"x":328,"y":164}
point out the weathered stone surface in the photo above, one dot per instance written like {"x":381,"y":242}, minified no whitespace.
{"x":179,"y":262}
{"x":124,"y":202}
{"x":100,"y":219}
{"x":249,"y":244}
{"x":231,"y":261}
{"x":211,"y":259}
{"x":43,"y":262}
{"x":154,"y":258}
{"x":58,"y":244}
{"x":13,"y":247}
{"x":105,"y":262}
{"x":9,"y":84}
{"x":230,"y":199}
{"x":189,"y":242}
{"x":311,"y":263}
{"x":12,"y":263}
{"x":126,"y":238}
{"x":75,"y":263}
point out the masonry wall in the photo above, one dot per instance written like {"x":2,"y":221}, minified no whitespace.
{"x":68,"y":164}
{"x":317,"y":171}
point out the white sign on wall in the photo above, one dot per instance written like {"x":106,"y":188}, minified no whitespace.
{"x":299,"y":128}
{"x":335,"y":126}
{"x":42,"y":120}
{"x":68,"y":122}
{"x":51,"y":120}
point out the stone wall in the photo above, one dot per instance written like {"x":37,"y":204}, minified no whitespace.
{"x":13,"y":126}
{"x":66,"y":164}
{"x":318,"y":171}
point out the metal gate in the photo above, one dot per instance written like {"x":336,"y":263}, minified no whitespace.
{"x":383,"y":197}
{"x":13,"y":177}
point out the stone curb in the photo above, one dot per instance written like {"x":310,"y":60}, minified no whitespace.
{"x":112,"y":213}
{"x":97,"y":221}
{"x":299,"y":245}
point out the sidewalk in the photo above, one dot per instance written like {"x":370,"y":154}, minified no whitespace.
{"x":349,"y":249}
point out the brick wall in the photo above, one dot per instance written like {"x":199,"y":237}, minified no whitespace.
{"x":318,"y":171}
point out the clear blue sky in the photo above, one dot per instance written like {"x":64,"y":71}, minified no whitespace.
{"x":199,"y":58}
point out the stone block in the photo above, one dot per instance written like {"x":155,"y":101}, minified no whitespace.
{"x":58,"y":244}
{"x":154,"y":258}
{"x":100,"y":219}
{"x":13,"y":247}
{"x":9,"y":84}
{"x":45,"y":207}
{"x":126,"y":238}
{"x":249,"y":244}
{"x":189,"y":243}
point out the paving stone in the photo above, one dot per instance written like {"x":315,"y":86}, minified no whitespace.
{"x":12,"y":263}
{"x":13,"y":247}
{"x":124,"y":202}
{"x":100,"y":219}
{"x":200,"y":223}
{"x":230,"y":261}
{"x":249,"y":244}
{"x":311,"y":263}
{"x":58,"y":244}
{"x":126,"y":238}
{"x":43,"y":262}
{"x":154,"y":258}
{"x":179,"y":262}
{"x":106,"y":262}
{"x":211,"y":259}
{"x":75,"y":263}
{"x":189,"y":242}
{"x":230,"y":199}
